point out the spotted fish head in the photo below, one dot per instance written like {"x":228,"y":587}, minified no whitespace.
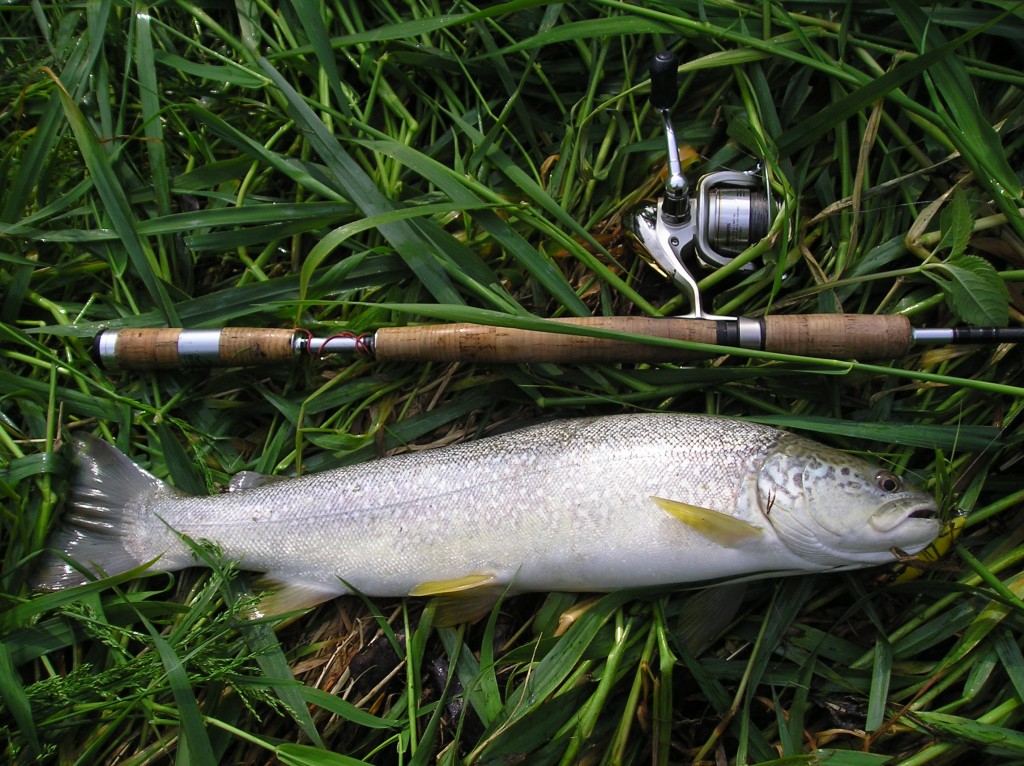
{"x":837,"y":511}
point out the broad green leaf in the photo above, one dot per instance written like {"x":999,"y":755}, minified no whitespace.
{"x":341,"y":708}
{"x":334,"y":239}
{"x":149,"y":102}
{"x":556,"y":666}
{"x":1010,"y":655}
{"x":181,"y":467}
{"x":832,"y":757}
{"x":398,"y":31}
{"x":468,"y":195}
{"x":479,"y":685}
{"x":193,"y":735}
{"x":603,"y":28}
{"x":313,"y":23}
{"x":973,"y":289}
{"x":790,"y":597}
{"x":957,"y":225}
{"x":277,"y":673}
{"x":868,"y":92}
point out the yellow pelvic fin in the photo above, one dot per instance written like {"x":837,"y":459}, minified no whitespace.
{"x":461,"y":599}
{"x":723,"y":529}
{"x":455,"y":585}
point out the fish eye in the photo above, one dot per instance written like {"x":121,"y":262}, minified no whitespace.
{"x":888,"y":482}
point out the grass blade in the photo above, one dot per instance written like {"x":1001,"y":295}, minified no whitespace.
{"x":357,"y":187}
{"x":109,"y":189}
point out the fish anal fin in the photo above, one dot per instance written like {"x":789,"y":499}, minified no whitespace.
{"x":706,"y":614}
{"x":285,"y":594}
{"x":466,"y":606}
{"x":461,"y":599}
{"x":722,"y":528}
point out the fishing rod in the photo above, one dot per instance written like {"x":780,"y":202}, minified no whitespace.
{"x":830,"y":336}
{"x":727,"y":213}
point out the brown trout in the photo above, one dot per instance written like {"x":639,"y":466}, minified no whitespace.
{"x":594,"y":504}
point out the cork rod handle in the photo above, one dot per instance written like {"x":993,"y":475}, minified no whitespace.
{"x":484,"y":343}
{"x":844,"y":336}
{"x":840,"y":336}
{"x":172,"y":348}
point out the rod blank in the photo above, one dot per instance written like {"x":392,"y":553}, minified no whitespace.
{"x":968,"y":334}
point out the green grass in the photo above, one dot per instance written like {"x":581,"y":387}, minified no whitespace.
{"x":347,"y":166}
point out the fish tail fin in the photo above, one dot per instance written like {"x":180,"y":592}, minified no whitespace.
{"x":101,"y":509}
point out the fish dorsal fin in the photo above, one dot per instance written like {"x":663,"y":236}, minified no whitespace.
{"x":461,"y":599}
{"x":286,"y":594}
{"x":251,"y":480}
{"x":722,"y":528}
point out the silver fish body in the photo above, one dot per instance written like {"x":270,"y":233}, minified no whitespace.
{"x":593,"y":504}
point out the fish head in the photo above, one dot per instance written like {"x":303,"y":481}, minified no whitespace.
{"x":835,"y":510}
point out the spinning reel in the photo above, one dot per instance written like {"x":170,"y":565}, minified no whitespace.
{"x":729,"y":212}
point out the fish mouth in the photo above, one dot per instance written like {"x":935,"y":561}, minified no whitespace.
{"x":912,"y":531}
{"x":908,"y":512}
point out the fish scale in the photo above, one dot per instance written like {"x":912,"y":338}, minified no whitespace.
{"x":591,"y":504}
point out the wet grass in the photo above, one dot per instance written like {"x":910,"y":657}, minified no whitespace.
{"x":348,"y":166}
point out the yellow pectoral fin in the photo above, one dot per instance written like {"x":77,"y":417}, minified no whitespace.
{"x":723,"y":529}
{"x":461,"y":599}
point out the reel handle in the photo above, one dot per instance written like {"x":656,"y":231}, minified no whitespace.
{"x":664,"y":80}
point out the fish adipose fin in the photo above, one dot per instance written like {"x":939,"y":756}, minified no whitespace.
{"x":291,"y":595}
{"x":106,"y":489}
{"x":461,"y":599}
{"x":723,"y":529}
